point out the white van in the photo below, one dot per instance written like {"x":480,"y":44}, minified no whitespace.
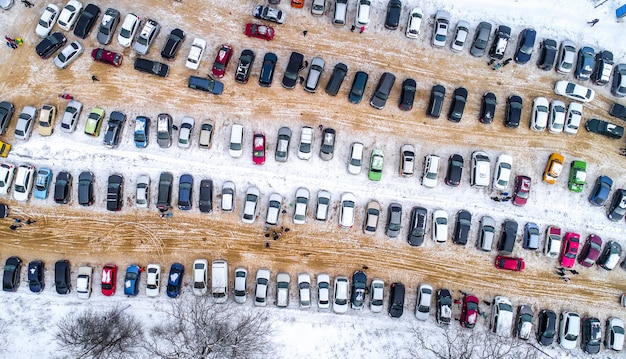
{"x":219,"y":281}
{"x":431,"y":171}
{"x":341,"y":8}
{"x":235,"y":147}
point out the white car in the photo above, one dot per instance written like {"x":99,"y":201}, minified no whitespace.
{"x":185,"y":131}
{"x":414,"y":23}
{"x":304,"y":289}
{"x":362,"y":18}
{"x":200,"y":269}
{"x":23,"y":185}
{"x":557,"y":116}
{"x":68,"y":54}
{"x":440,"y":226}
{"x":355,"y":162}
{"x":153,"y":280}
{"x":228,"y":196}
{"x":574,"y":91}
{"x":424,"y":300}
{"x":501,"y":316}
{"x":262,"y":283}
{"x":461,"y":33}
{"x":573,"y":118}
{"x":323,"y":291}
{"x":195,"y":54}
{"x":552,"y":246}
{"x":614,"y":335}
{"x":25,"y":123}
{"x":502,"y":172}
{"x":143,"y":191}
{"x":69,"y":15}
{"x":539,"y":116}
{"x":407,"y":160}
{"x":250,"y":205}
{"x":481,"y":169}
{"x":377,"y":295}
{"x":323,"y":204}
{"x":273,"y":209}
{"x":440,"y":32}
{"x":128,"y":30}
{"x":47,"y":20}
{"x":71,"y":116}
{"x":569,"y":330}
{"x":206,"y":134}
{"x":306,"y":143}
{"x":83,"y":282}
{"x":431,"y":171}
{"x":146,"y":37}
{"x":240,"y":289}
{"x":302,"y":203}
{"x":235,"y":146}
{"x":7,"y":172}
{"x":341,"y":298}
{"x":346,"y":211}
{"x":567,"y":56}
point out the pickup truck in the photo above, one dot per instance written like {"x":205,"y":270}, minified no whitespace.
{"x":195,"y":54}
{"x":83,"y":282}
{"x":282,"y":290}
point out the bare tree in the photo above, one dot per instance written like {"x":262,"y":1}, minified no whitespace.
{"x":198,"y":328}
{"x":92,"y":334}
{"x":3,"y":335}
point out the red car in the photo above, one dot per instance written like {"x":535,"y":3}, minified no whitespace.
{"x":569,"y":249}
{"x":109,"y":276}
{"x":591,"y":251}
{"x":260,"y":31}
{"x":258,"y":148}
{"x":522,"y":190}
{"x":221,"y":60}
{"x":510,"y":263}
{"x":469,"y":311}
{"x":106,"y":56}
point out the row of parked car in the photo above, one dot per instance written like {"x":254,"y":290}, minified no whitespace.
{"x":340,"y":296}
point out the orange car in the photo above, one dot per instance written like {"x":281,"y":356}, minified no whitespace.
{"x":297,"y":3}
{"x":553,"y":168}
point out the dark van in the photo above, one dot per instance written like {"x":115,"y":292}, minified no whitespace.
{"x":379,"y":98}
{"x":507,"y":239}
{"x":296,"y":63}
{"x":336,"y":79}
{"x":205,"y":84}
{"x":358,"y":87}
{"x":164,"y":198}
{"x":396,"y":300}
{"x":62,"y":276}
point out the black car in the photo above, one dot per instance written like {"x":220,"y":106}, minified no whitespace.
{"x":336,"y":79}
{"x":444,"y":306}
{"x":35,"y":276}
{"x":549,"y":51}
{"x":6,"y":112}
{"x":11,"y":278}
{"x":617,"y":209}
{"x":244,"y":66}
{"x":617,"y":110}
{"x":392,"y":20}
{"x":62,"y":280}
{"x":267,"y":69}
{"x":174,"y":40}
{"x":603,"y":68}
{"x":359,"y":287}
{"x":63,"y":188}
{"x":610,"y":255}
{"x":458,"y":104}
{"x":86,"y":21}
{"x":164,"y":197}
{"x":417,"y":228}
{"x":48,"y":46}
{"x":507,"y":239}
{"x":407,"y":96}
{"x":435,"y":104}
{"x":525,"y":46}
{"x":358,"y":87}
{"x":115,"y":126}
{"x":455,"y":170}
{"x":296,"y":63}
{"x":206,"y":84}
{"x":591,"y":335}
{"x":206,"y":196}
{"x":85,"y":188}
{"x":185,"y":192}
{"x":585,"y":63}
{"x":487,"y":107}
{"x":115,"y":193}
{"x":604,"y":128}
{"x":152,"y":67}
{"x":396,"y":300}
{"x":546,"y":330}
{"x":513,"y":114}
{"x":501,"y":40}
{"x":462,"y":227}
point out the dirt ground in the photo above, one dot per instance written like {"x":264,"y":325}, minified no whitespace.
{"x":96,"y":236}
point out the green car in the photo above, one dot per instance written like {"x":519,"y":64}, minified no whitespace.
{"x":376,"y":165}
{"x":577,"y":176}
{"x":94,"y":122}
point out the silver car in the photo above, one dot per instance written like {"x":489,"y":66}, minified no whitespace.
{"x":71,"y":115}
{"x":323,"y":204}
{"x":228,"y":196}
{"x":185,"y":132}
{"x":143,"y":191}
{"x":328,"y":144}
{"x":273,"y":209}
{"x":68,"y":54}
{"x":483,"y":31}
{"x":250,"y":205}
{"x":107,"y":26}
{"x":315,"y":73}
{"x":302,"y":203}
{"x":146,"y":37}
{"x":440,"y":32}
{"x":25,"y":123}
{"x":567,"y":55}
{"x":282,"y":145}
{"x":486,"y":233}
{"x":240,"y":289}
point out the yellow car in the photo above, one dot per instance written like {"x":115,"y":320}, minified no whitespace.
{"x":4,"y":149}
{"x":46,"y":120}
{"x":553,"y":168}
{"x":94,"y":122}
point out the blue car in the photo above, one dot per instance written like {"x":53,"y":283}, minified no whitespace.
{"x":525,"y":46}
{"x":175,"y":280}
{"x":531,"y":236}
{"x":35,"y":276}
{"x":185,"y":190}
{"x":131,"y":280}
{"x":142,"y":130}
{"x":42,"y":183}
{"x":601,"y":191}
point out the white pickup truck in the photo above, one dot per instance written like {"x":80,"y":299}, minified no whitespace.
{"x":282,"y":290}
{"x":195,"y":54}
{"x":83,"y":282}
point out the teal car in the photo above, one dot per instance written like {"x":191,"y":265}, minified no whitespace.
{"x":577,"y":176}
{"x":42,"y":183}
{"x":377,"y":160}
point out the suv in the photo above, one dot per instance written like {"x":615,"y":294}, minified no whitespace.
{"x":62,"y":280}
{"x":115,"y":126}
{"x":501,"y":316}
{"x":392,"y":20}
{"x":296,"y":63}
{"x":462,"y":227}
{"x":85,"y":188}
{"x":513,"y":112}
{"x":174,"y":40}
{"x":164,"y":198}
{"x":548,"y":53}
{"x":503,"y":33}
{"x":382,"y":91}
{"x":146,"y":37}
{"x":507,"y":239}
{"x":244,"y":66}
{"x":115,"y":193}
{"x":358,"y":87}
{"x":266,"y":75}
{"x":435,"y":104}
{"x":603,"y":68}
{"x":11,"y":276}
{"x":396,"y":300}
{"x":151,"y":67}
{"x":481,"y":168}
{"x":417,"y":228}
{"x":142,"y":131}
{"x":585,"y":63}
{"x":86,"y":21}
{"x":546,"y":329}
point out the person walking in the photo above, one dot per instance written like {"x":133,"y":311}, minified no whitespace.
{"x":94,"y":78}
{"x":593,"y":22}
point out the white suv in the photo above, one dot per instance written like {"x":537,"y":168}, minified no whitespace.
{"x":481,"y":168}
{"x":23,"y":182}
{"x":362,"y":18}
{"x":501,"y":316}
{"x":431,"y":171}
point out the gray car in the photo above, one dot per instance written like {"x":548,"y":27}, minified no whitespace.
{"x":282,"y":145}
{"x":486,"y":233}
{"x":146,"y":37}
{"x":315,"y":73}
{"x":68,"y":54}
{"x":107,"y":26}
{"x":164,"y":130}
{"x":6,"y":112}
{"x":328,"y":144}
{"x":394,"y":220}
{"x":483,"y":31}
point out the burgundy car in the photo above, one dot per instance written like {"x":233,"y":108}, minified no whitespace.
{"x":260,"y":31}
{"x":469,"y":312}
{"x":522,"y":190}
{"x":221,"y":60}
{"x":569,"y":249}
{"x":106,"y":56}
{"x":510,"y":263}
{"x":591,"y":251}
